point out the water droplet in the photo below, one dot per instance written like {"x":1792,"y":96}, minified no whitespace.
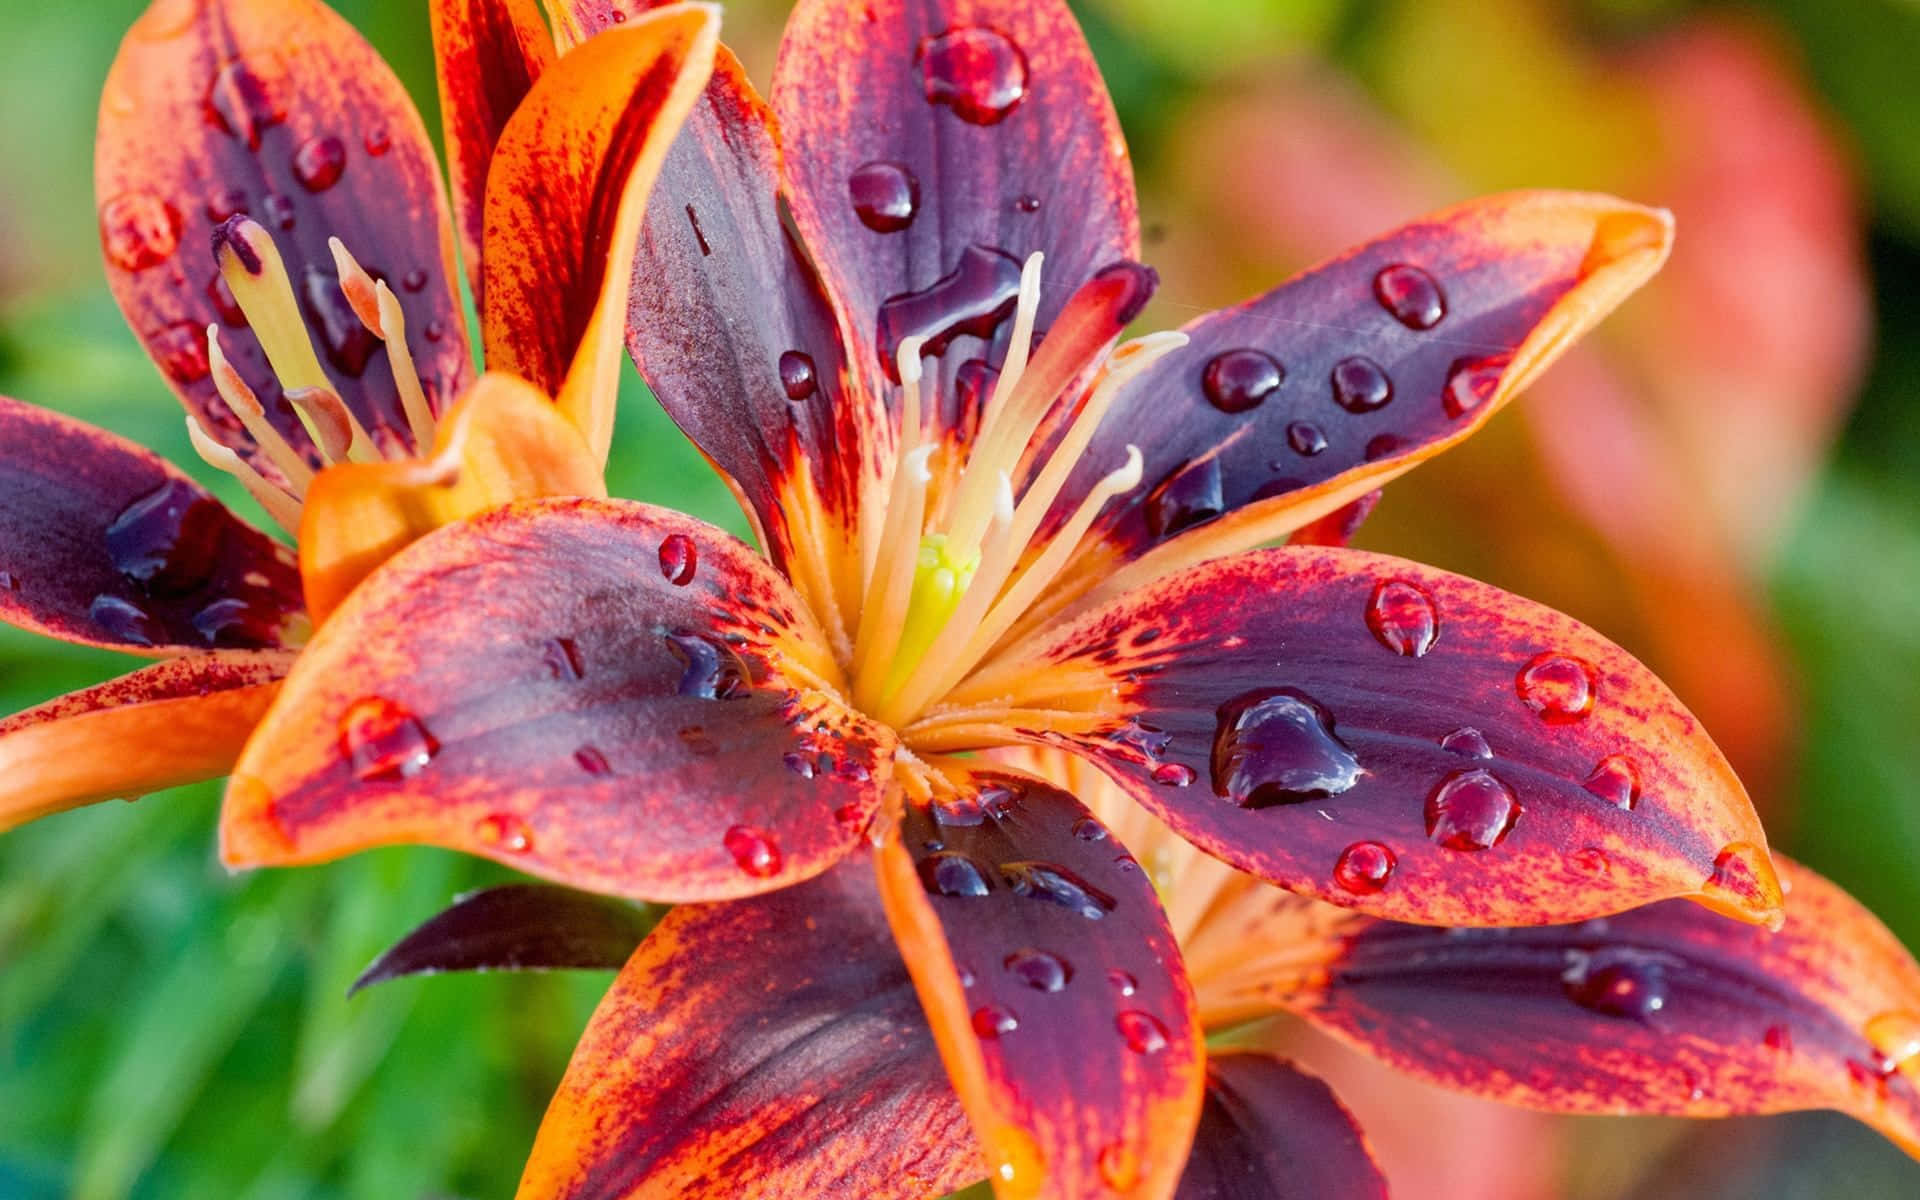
{"x":221,"y":297}
{"x":992,"y":1021}
{"x":1615,"y":780}
{"x":1238,"y":380}
{"x":319,"y":162}
{"x":1277,"y":746}
{"x":974,"y":70}
{"x":1143,"y":1032}
{"x":959,"y":812}
{"x":1305,"y":439}
{"x":1386,"y":445}
{"x":754,"y":850}
{"x":239,"y":102}
{"x":1471,"y":382}
{"x":1403,"y":618}
{"x":973,"y":299}
{"x":435,"y":331}
{"x":377,"y":141}
{"x":1616,"y":983}
{"x":1122,"y":982}
{"x":384,"y":741}
{"x":1028,"y":203}
{"x":1737,"y":873}
{"x":505,"y":831}
{"x":951,"y":873}
{"x":592,"y":761}
{"x":800,"y":764}
{"x":278,"y":210}
{"x":562,"y":659}
{"x":1591,"y":859}
{"x":885,"y":196}
{"x":168,"y":539}
{"x":1360,"y":385}
{"x":348,"y":343}
{"x":797,"y":377}
{"x":414,"y":280}
{"x":1190,"y":495}
{"x":8,"y":583}
{"x":710,"y":670}
{"x":1471,"y":810}
{"x":181,"y":351}
{"x":1039,"y":970}
{"x":126,"y":621}
{"x":1089,"y":829}
{"x":1467,"y":742}
{"x":679,"y":559}
{"x":1057,"y":885}
{"x":1558,"y":688}
{"x":1119,"y":1166}
{"x":1173,"y":775}
{"x":1411,"y":295}
{"x":1364,"y":868}
{"x":226,"y":203}
{"x":1895,"y":1037}
{"x":139,"y":230}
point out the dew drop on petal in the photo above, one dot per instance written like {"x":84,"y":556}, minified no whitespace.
{"x":1057,"y":885}
{"x":951,"y":873}
{"x":1403,"y":618}
{"x":378,"y":140}
{"x":1616,"y":984}
{"x":1779,"y":1039}
{"x":225,"y":203}
{"x":1039,"y":969}
{"x":679,"y":559}
{"x":239,"y":102}
{"x":1471,"y":810}
{"x":754,"y":850}
{"x":1591,"y":859}
{"x":1895,"y":1036}
{"x":1122,"y":982}
{"x":1385,"y":445}
{"x":1467,"y":742}
{"x":885,"y":196}
{"x":992,"y":1021}
{"x":1471,"y":382}
{"x":797,"y":377}
{"x":1557,"y":687}
{"x":169,"y":539}
{"x":1305,"y":439}
{"x":561,"y":656}
{"x":139,"y":230}
{"x":1177,"y":775}
{"x":1615,"y":780}
{"x":279,"y":212}
{"x":1364,"y":868}
{"x":1143,"y":1032}
{"x":1190,"y":495}
{"x":1276,"y":746}
{"x":126,"y":621}
{"x":384,"y":741}
{"x":710,"y":670}
{"x":1089,"y":829}
{"x":1238,"y":381}
{"x":505,"y":831}
{"x":1411,"y":295}
{"x":180,"y":350}
{"x":973,"y":299}
{"x":975,"y":70}
{"x":592,"y":761}
{"x":1360,"y":385}
{"x":319,"y":162}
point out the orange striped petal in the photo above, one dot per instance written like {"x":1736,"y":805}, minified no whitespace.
{"x":1269,"y":1131}
{"x":502,"y":442}
{"x":106,"y":544}
{"x":277,"y":109}
{"x":487,"y":53}
{"x":1391,"y":737}
{"x":565,"y":197}
{"x":612,"y":696}
{"x":758,"y":1050}
{"x":515,"y":927}
{"x":1054,"y":988}
{"x":174,"y":722}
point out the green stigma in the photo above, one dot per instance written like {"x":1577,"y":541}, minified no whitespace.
{"x":940,"y":579}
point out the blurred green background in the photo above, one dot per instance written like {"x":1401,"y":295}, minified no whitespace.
{"x":1728,"y":483}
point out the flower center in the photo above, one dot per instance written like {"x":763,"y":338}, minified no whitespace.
{"x":251,"y":266}
{"x":951,"y":569}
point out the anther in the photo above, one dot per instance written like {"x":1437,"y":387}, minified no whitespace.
{"x":257,"y":277}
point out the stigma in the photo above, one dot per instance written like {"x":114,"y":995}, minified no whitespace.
{"x":959,"y":558}
{"x":253,"y":270}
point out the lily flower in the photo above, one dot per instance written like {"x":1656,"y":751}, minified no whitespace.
{"x":979,"y":537}
{"x":338,"y":394}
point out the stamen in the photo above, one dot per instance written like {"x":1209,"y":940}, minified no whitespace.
{"x":246,"y":406}
{"x":883,"y":616}
{"x":283,"y":508}
{"x":379,"y":310}
{"x":970,"y":508}
{"x":257,"y":276}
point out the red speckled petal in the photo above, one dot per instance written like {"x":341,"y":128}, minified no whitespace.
{"x":1665,"y":1009}
{"x":516,"y":927}
{"x":929,"y":136}
{"x":174,"y":722}
{"x":487,"y":54}
{"x":278,"y":109}
{"x":566,"y":195}
{"x":760,"y":1049}
{"x":612,"y":696}
{"x":1307,"y":398}
{"x":1492,"y":761}
{"x":1269,"y":1131}
{"x":104,"y":543}
{"x":1054,"y":987}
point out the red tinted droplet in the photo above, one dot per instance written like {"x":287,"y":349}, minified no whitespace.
{"x":1779,"y":1039}
{"x":348,"y":343}
{"x":181,"y":351}
{"x":679,"y":559}
{"x":126,"y":621}
{"x":1028,"y":203}
{"x":1275,"y":746}
{"x":1467,"y":742}
{"x":754,"y":850}
{"x":1471,"y":382}
{"x":1557,"y":687}
{"x":139,"y":230}
{"x":951,"y":873}
{"x":1190,"y":495}
{"x":852,"y":815}
{"x":377,"y":141}
{"x":504,"y":831}
{"x":885,"y":196}
{"x":169,"y":539}
{"x":797,"y":377}
{"x":414,"y":280}
{"x":1411,"y":295}
{"x":562,"y":659}
{"x":1143,"y":1032}
{"x":800,"y":764}
{"x":279,"y":211}
{"x":239,"y":102}
{"x":384,"y":741}
{"x":1616,"y":984}
{"x":1403,"y":618}
{"x":221,"y":297}
{"x":1384,"y":445}
{"x":1471,"y":810}
{"x":1089,"y":829}
{"x":1039,"y":970}
{"x":1239,"y":380}
{"x":435,"y":331}
{"x":1360,"y":384}
{"x":1122,"y":982}
{"x":1305,"y":439}
{"x":319,"y":162}
{"x":1616,"y":780}
{"x":226,"y":203}
{"x":592,"y":761}
{"x":973,"y":299}
{"x":992,"y":1021}
{"x":976,"y":71}
{"x":1364,"y":868}
{"x":1177,"y":775}
{"x":1591,"y":859}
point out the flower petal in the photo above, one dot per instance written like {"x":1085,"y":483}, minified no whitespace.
{"x":1353,"y":373}
{"x":1665,"y":1009}
{"x":174,"y":722}
{"x":983,"y":126}
{"x":1394,"y":738}
{"x":502,"y":442}
{"x":1270,"y":1131}
{"x":612,"y":696}
{"x":487,"y":53}
{"x":515,"y":927}
{"x":106,"y":544}
{"x":1053,"y":985}
{"x":279,"y":109}
{"x":565,"y":197}
{"x":761,"y":1048}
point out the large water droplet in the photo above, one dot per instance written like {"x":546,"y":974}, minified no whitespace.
{"x":1403,"y":618}
{"x":348,"y":343}
{"x":319,"y":162}
{"x":1411,"y":295}
{"x":139,"y":230}
{"x":710,"y":669}
{"x":1737,"y":873}
{"x":1467,"y":742}
{"x":1039,"y":970}
{"x":1360,"y":384}
{"x":885,"y":196}
{"x":679,"y":559}
{"x":1471,"y":810}
{"x":239,"y":102}
{"x":951,"y":873}
{"x":126,"y":621}
{"x":1143,"y":1032}
{"x":1239,"y":380}
{"x":168,"y":539}
{"x":1557,"y":687}
{"x":1057,"y":885}
{"x":1471,"y":382}
{"x":1616,"y":984}
{"x":973,"y":298}
{"x":754,"y":850}
{"x":1190,"y":495}
{"x":1177,"y":775}
{"x":1364,"y":868}
{"x":384,"y":741}
{"x":1616,"y":780}
{"x":992,"y":1021}
{"x":976,"y":71}
{"x":797,"y":377}
{"x":1277,"y":746}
